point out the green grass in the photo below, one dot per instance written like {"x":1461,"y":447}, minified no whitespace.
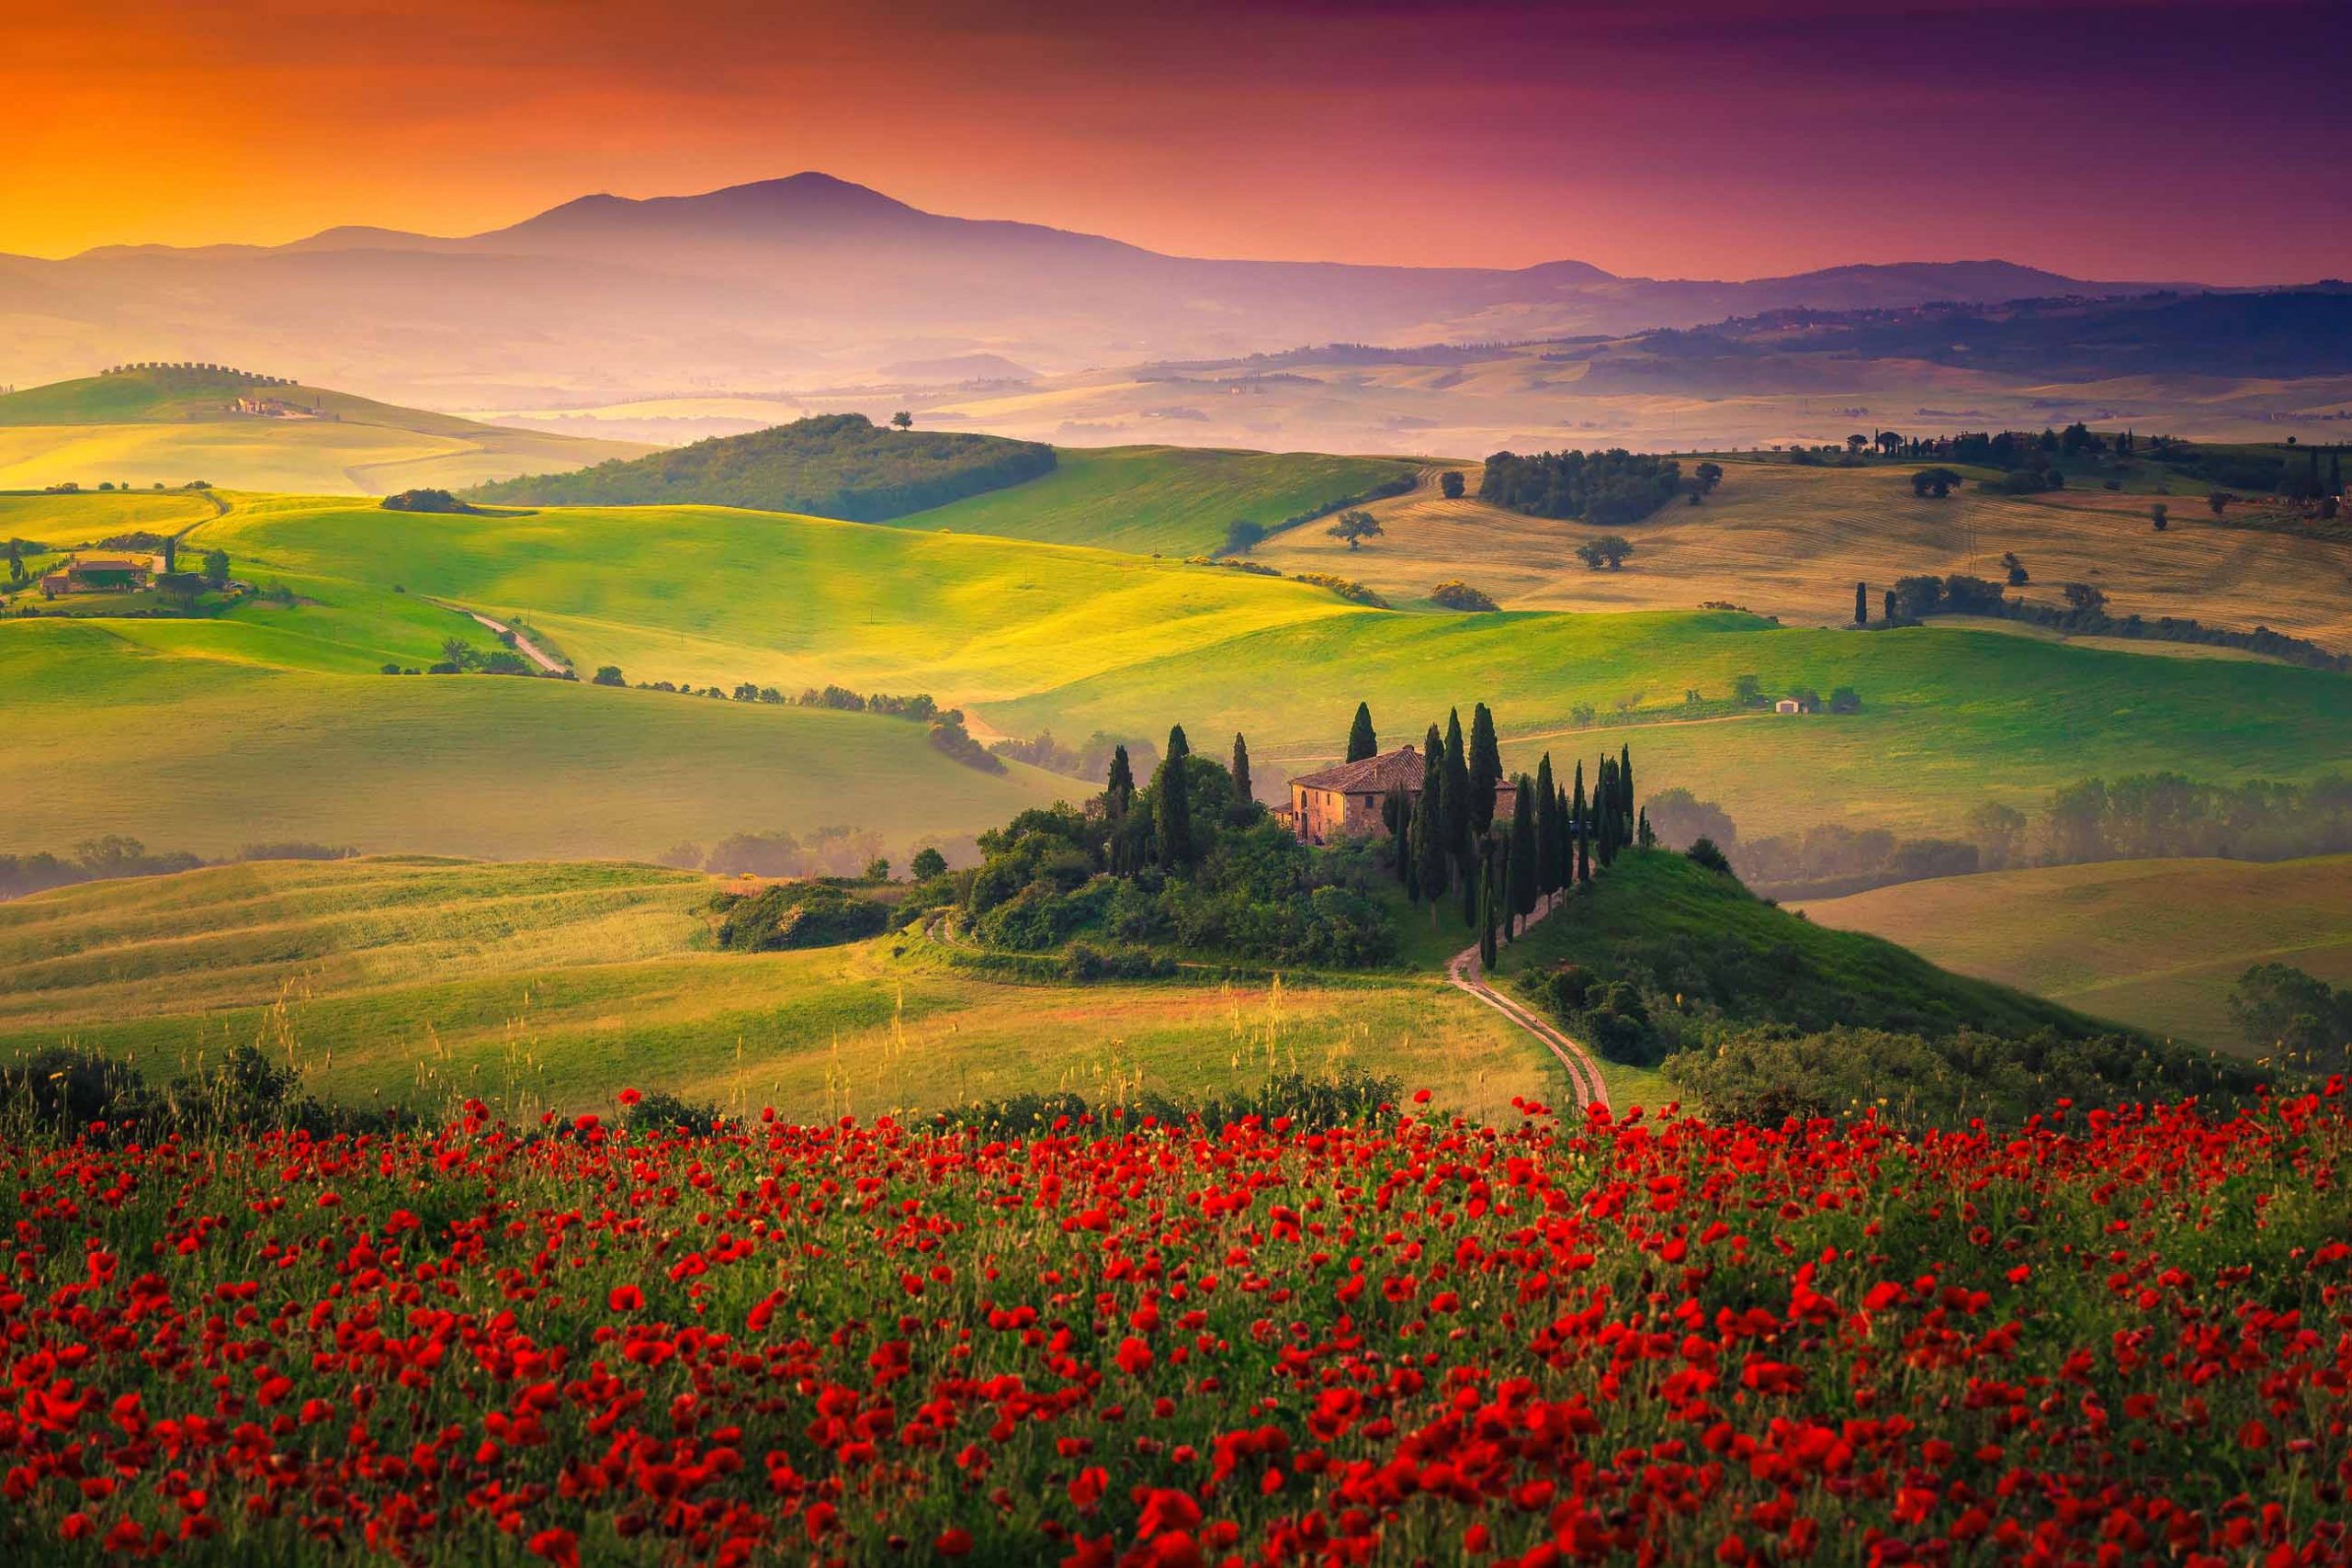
{"x":194,"y":735}
{"x":559,"y":984}
{"x":1034,"y":636}
{"x":2155,"y":943}
{"x":1816,"y":976}
{"x":143,"y":428}
{"x":1171,"y":500}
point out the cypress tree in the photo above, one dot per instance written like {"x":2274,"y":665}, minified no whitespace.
{"x":1473,"y":879}
{"x":1547,"y":828}
{"x":1888,"y":608}
{"x":1642,"y":834}
{"x":1524,"y":871}
{"x":1242,"y":792}
{"x":1626,"y":793}
{"x":1361,"y":742}
{"x":1486,"y":923}
{"x":1564,"y":848}
{"x":1457,"y":789}
{"x":1122,"y":788}
{"x":1580,"y":811}
{"x":1174,"y":820}
{"x":1861,"y":603}
{"x":1398,"y":810}
{"x":1604,"y":813}
{"x":1433,"y":856}
{"x":1486,"y":769}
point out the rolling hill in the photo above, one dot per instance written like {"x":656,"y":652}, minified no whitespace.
{"x":556,"y":985}
{"x":827,"y":282}
{"x":2155,"y":943}
{"x":145,"y":427}
{"x":839,"y":465}
{"x":1036,"y":636}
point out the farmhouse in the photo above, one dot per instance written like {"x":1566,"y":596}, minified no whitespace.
{"x":98,"y":574}
{"x":1345,"y":802}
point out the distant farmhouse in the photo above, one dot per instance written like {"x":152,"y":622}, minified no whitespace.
{"x":1345,"y":802}
{"x":99,"y":574}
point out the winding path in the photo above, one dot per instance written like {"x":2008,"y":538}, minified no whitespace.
{"x":1583,"y":1076}
{"x":523,"y":645}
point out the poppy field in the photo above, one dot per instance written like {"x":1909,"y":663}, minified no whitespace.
{"x":2103,"y":1337}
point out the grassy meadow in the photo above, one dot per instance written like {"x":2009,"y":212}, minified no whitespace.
{"x":278,"y":703}
{"x":543,"y":985}
{"x":1791,"y":542}
{"x":1174,"y":501}
{"x":2154,"y":944}
{"x":208,"y":735}
{"x":144,"y":428}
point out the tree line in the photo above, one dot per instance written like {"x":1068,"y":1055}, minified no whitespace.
{"x":1605,"y":488}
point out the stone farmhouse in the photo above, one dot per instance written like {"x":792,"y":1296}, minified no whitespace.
{"x":1345,"y":802}
{"x":98,"y":574}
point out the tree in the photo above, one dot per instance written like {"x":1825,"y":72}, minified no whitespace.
{"x":2084,"y":599}
{"x":1241,"y":537}
{"x":1854,"y":443}
{"x":2219,"y":501}
{"x":928,"y":863}
{"x":1861,"y":603}
{"x":1609,"y":551}
{"x":171,"y":553}
{"x":1580,"y":823}
{"x":1625,"y":791}
{"x":1173,"y":820}
{"x":877,"y":870}
{"x":1455,"y":801}
{"x":1432,"y":855}
{"x":1242,"y":794}
{"x":607,"y":675}
{"x":1525,"y":872}
{"x":1449,"y":484}
{"x":1844,"y":699}
{"x":16,"y":560}
{"x":1355,"y":527}
{"x":1938,"y":482}
{"x":1486,"y":917}
{"x":1547,"y":828}
{"x":1485,"y":768}
{"x":216,"y":569}
{"x":902,"y":419}
{"x":1362,"y":741}
{"x":1886,"y":609}
{"x":1397,"y":812}
{"x":2161,"y":516}
{"x":1703,"y":852}
{"x":1709,"y":475}
{"x":2014,"y":569}
{"x":1748,"y":691}
{"x":1119,"y":790}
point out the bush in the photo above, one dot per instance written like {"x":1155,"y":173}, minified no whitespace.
{"x":427,"y":500}
{"x":1354,"y":592}
{"x":795,"y":915}
{"x":1460,"y":596}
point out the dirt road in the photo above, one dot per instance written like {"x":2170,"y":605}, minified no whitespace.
{"x":1583,"y":1076}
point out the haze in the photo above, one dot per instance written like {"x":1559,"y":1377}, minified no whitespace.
{"x":1707,"y":137}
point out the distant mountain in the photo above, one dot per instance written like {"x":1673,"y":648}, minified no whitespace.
{"x":812,"y":280}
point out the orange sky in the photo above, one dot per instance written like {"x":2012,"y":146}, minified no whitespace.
{"x":1723,"y":137}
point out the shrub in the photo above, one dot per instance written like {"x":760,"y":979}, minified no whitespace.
{"x":795,"y":914}
{"x":1460,"y":596}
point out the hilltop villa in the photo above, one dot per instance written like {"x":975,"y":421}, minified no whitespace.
{"x":98,"y":574}
{"x":1344,"y":801}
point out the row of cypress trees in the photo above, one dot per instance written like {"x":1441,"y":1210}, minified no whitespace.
{"x":1447,"y":837}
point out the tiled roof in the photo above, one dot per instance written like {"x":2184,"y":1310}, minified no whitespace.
{"x":1400,"y":769}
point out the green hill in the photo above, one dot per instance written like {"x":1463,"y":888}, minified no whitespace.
{"x":830,"y":466}
{"x":1175,"y":501}
{"x":1759,"y":1012}
{"x":559,"y":984}
{"x":167,"y":426}
{"x":2154,"y":942}
{"x":202,"y":735}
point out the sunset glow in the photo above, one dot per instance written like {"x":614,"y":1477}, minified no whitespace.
{"x":1696,"y":138}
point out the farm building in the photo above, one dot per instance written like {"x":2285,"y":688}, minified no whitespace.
{"x":1788,"y":705}
{"x":98,"y":574}
{"x":1345,"y":802}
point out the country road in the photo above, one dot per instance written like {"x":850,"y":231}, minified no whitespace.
{"x":523,"y":645}
{"x":1583,"y":1076}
